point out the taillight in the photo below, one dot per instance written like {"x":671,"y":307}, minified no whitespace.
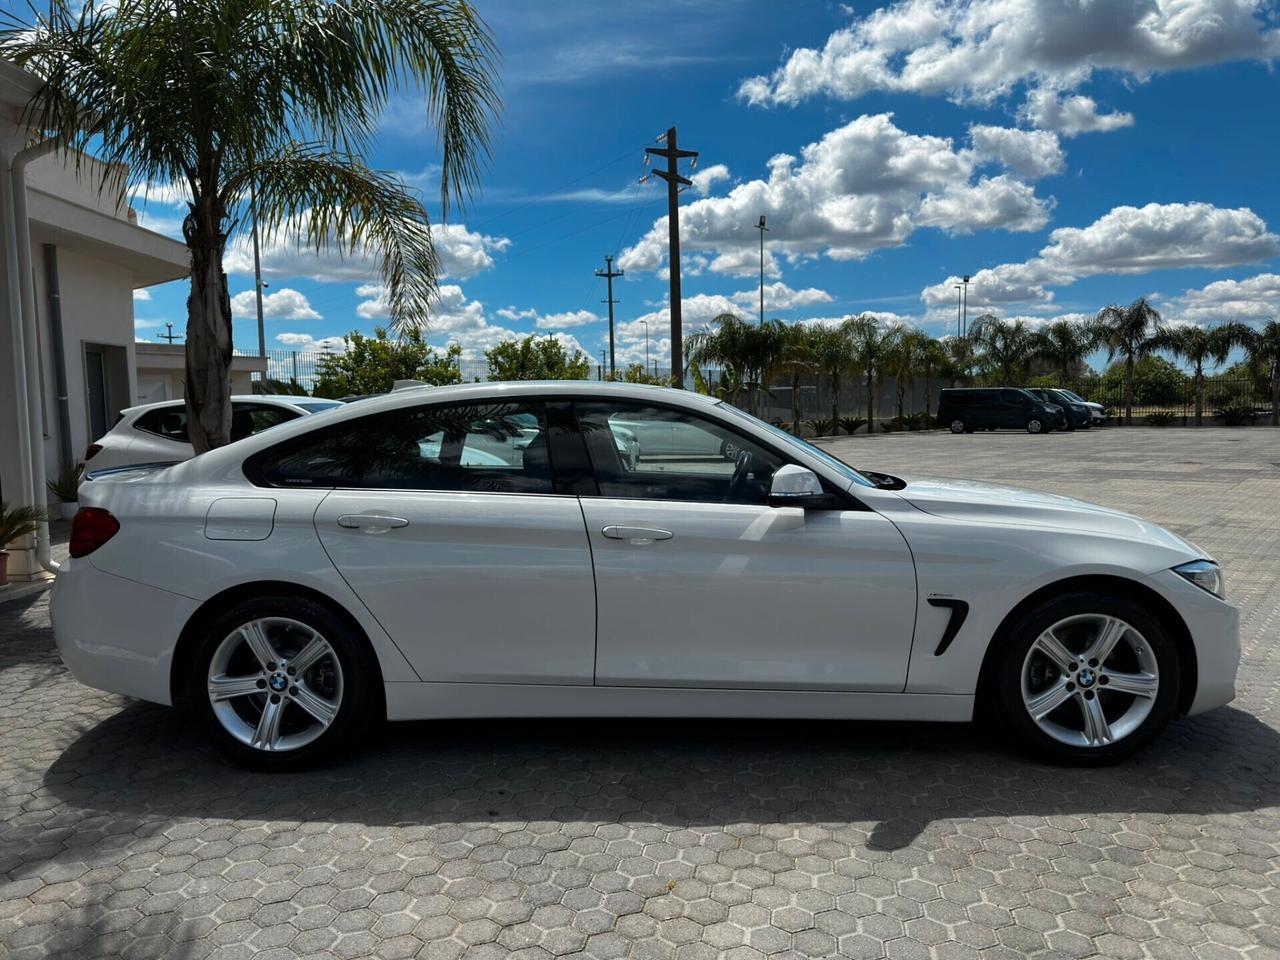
{"x":90,"y":529}
{"x":91,"y":451}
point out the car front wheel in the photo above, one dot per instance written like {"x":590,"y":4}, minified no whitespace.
{"x":281,"y":682}
{"x":957,"y":426}
{"x":1036,"y":425}
{"x":1088,"y":678}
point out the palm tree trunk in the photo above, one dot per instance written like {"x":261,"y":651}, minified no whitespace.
{"x":1128,"y":391}
{"x":1275,"y":397}
{"x":795,"y":403}
{"x":871,"y":402}
{"x":835,"y":400}
{"x":208,"y":353}
{"x":1199,"y":396}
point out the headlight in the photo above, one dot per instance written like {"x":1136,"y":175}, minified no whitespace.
{"x":1205,"y":574}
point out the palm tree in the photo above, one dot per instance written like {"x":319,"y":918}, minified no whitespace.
{"x":833,"y":357}
{"x":1201,"y":345}
{"x":1263,"y":349}
{"x":1008,"y":345}
{"x":1063,"y":344}
{"x":871,"y":345}
{"x":749,"y":350}
{"x":1127,"y":332}
{"x":906,"y":359}
{"x":961,"y":358}
{"x":797,"y":358}
{"x":933,"y":362}
{"x":264,"y":109}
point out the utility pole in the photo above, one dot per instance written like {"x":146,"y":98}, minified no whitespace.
{"x":257,"y":273}
{"x":609,"y":273}
{"x":966,"y":281}
{"x":673,"y":154}
{"x":646,"y":345}
{"x":762,"y":228}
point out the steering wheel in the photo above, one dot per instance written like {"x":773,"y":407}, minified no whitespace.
{"x":741,"y":473}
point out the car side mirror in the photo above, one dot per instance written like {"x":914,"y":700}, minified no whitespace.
{"x":797,"y":486}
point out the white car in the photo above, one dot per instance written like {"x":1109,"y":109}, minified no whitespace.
{"x":157,"y":432}
{"x":295,"y":586}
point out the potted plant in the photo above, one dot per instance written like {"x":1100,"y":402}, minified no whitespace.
{"x":15,"y":523}
{"x":67,"y":489}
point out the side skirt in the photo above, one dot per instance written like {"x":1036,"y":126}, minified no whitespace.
{"x":431,"y":701}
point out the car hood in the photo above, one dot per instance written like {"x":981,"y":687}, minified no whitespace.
{"x":969,"y":500}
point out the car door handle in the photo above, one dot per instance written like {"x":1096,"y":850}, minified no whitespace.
{"x":636,"y":534}
{"x":372,"y":522}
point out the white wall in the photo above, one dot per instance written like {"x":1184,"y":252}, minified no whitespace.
{"x":97,"y":307}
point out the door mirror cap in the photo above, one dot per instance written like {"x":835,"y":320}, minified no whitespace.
{"x":796,"y":486}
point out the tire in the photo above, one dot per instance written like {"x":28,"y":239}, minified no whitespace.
{"x":1143,"y":657}
{"x":957,"y":426}
{"x":1036,"y":425}
{"x":316,"y":713}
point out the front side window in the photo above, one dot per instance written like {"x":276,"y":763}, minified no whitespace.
{"x":481,"y":448}
{"x":657,"y":453}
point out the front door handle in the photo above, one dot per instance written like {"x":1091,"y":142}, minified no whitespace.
{"x":636,"y":534}
{"x":371,"y":522}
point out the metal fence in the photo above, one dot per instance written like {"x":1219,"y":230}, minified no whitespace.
{"x":1170,"y":399}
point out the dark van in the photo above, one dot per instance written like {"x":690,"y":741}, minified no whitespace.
{"x":967,"y":409}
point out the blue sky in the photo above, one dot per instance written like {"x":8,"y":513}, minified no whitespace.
{"x":1067,"y":155}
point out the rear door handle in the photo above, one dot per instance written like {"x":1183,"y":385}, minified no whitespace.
{"x":636,"y":534}
{"x":371,"y":522}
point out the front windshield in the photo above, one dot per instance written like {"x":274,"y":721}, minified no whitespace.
{"x":1074,"y":396}
{"x":789,"y":440}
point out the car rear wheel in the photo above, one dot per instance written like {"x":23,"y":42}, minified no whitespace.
{"x":281,"y":682}
{"x":957,"y":426}
{"x":1088,"y":678}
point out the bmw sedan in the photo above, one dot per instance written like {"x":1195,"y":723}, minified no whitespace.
{"x":486,"y":550}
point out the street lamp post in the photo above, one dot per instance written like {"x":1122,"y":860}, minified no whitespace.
{"x":646,"y":343}
{"x":958,"y":327}
{"x":966,"y":280}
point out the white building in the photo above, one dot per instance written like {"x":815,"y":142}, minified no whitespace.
{"x":71,"y":256}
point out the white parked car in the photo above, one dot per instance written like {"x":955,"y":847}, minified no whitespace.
{"x":301,"y":583}
{"x":157,"y":432}
{"x":1097,"y":412}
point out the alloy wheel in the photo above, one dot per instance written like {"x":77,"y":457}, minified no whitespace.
{"x":275,"y":684}
{"x":1090,"y":680}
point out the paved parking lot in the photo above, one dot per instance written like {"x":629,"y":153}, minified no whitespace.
{"x":122,"y":835}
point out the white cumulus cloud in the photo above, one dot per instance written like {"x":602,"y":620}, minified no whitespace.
{"x":863,"y":187}
{"x":1126,"y":240}
{"x":284,"y":304}
{"x":1030,"y":154}
{"x":981,"y":50}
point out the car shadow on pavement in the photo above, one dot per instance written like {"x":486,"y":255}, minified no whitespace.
{"x":889,"y":781}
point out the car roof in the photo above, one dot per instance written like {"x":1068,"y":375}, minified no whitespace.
{"x":270,"y":399}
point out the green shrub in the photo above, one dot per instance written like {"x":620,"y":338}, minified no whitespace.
{"x":851,"y":425}
{"x":18,"y":522}
{"x":67,"y":485}
{"x":1161,"y":418}
{"x":821,"y":428}
{"x":1237,"y":414}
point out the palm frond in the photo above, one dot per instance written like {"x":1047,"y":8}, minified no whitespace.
{"x":334,"y":200}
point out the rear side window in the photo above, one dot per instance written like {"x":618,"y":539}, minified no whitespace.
{"x":250,"y":418}
{"x":489,"y":447}
{"x":167,"y":422}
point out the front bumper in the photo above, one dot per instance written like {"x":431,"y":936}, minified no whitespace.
{"x":1214,"y":626}
{"x":115,"y":634}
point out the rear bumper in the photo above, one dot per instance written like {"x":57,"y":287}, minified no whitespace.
{"x":115,"y":634}
{"x":1214,"y":626}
